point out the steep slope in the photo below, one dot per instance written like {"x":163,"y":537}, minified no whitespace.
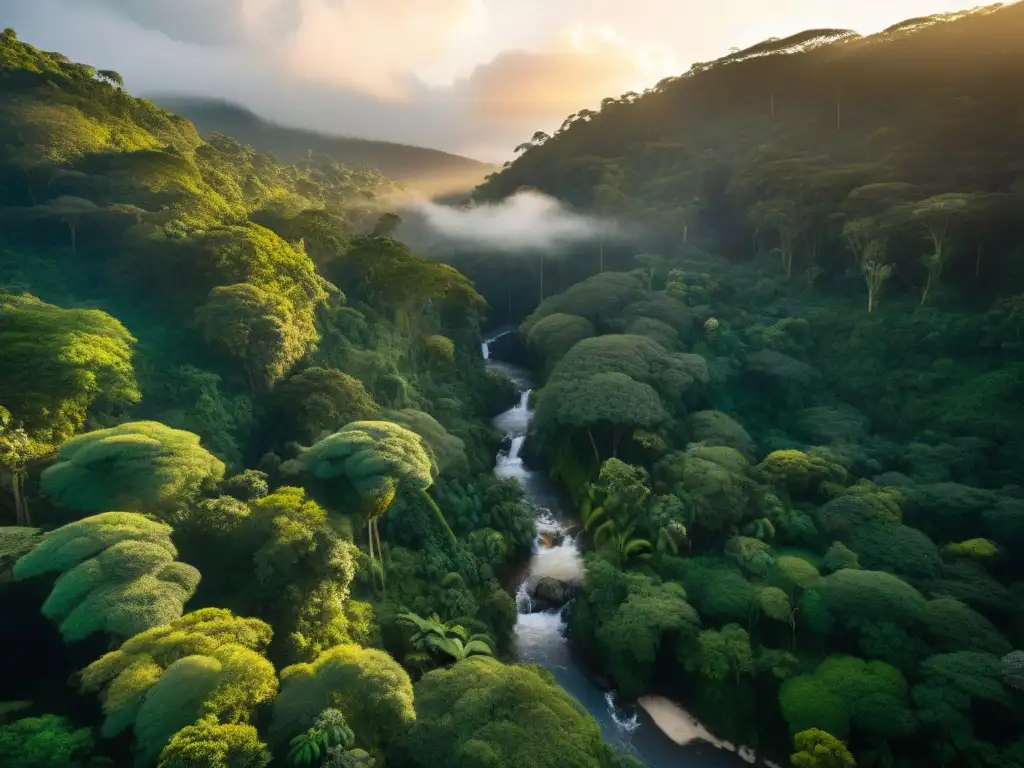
{"x":427,"y":169}
{"x":783,"y":146}
{"x":224,"y":263}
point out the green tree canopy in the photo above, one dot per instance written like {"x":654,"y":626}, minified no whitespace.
{"x":303,"y":570}
{"x":598,"y":299}
{"x":820,"y":749}
{"x":141,"y":465}
{"x":483,"y":712}
{"x":647,"y":617}
{"x":48,"y":741}
{"x":375,"y":457}
{"x":552,"y":336}
{"x":713,"y":481}
{"x":723,"y":654}
{"x":59,"y":365}
{"x":950,"y":625}
{"x":846,"y":693}
{"x":856,"y":595}
{"x":640,"y":358}
{"x":610,"y":402}
{"x":257,"y":327}
{"x":714,"y":428}
{"x":117,"y":574}
{"x":447,"y":450}
{"x":207,"y":662}
{"x":369,"y":687}
{"x":209,"y":744}
{"x":321,"y":399}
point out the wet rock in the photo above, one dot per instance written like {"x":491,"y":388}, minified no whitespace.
{"x":552,"y":593}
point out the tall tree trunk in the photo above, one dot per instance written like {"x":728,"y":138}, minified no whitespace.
{"x":373,"y":562}
{"x":28,"y":186}
{"x":593,"y":445}
{"x":21,"y":514}
{"x":380,"y":556}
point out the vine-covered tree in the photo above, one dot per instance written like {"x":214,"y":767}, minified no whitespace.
{"x":375,"y":457}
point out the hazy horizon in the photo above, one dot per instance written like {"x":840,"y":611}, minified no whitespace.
{"x":472,"y":77}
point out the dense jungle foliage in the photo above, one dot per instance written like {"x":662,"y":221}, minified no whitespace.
{"x":825,"y":151}
{"x":245,"y":449}
{"x":245,"y":460}
{"x":793,"y":427}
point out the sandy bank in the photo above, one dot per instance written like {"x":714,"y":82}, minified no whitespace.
{"x":683,"y":728}
{"x":678,"y":724}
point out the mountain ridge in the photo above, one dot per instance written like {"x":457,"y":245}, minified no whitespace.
{"x":428,"y":170}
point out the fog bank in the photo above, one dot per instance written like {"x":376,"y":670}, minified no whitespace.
{"x":526,"y":221}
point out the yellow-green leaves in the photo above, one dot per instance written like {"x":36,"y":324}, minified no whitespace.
{"x":118,"y":575}
{"x":207,"y":662}
{"x":142,"y":465}
{"x":57,"y":365}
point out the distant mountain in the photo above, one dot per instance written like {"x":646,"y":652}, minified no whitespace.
{"x":428,"y":170}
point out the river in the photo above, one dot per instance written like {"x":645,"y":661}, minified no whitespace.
{"x":539,"y":637}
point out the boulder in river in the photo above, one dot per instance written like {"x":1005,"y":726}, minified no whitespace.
{"x":550,"y":593}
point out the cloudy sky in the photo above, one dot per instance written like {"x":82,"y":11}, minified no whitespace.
{"x":471,"y":76}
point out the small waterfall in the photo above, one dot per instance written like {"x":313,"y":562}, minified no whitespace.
{"x":524,"y":603}
{"x":516,"y":447}
{"x":524,"y":400}
{"x":623,"y":723}
{"x":485,"y":350}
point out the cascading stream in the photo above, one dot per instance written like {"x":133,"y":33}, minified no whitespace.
{"x":540,"y":635}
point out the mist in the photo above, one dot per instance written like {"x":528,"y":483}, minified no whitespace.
{"x":526,"y":221}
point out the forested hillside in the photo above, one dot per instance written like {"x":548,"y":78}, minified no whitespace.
{"x":245,"y":460}
{"x":876,"y":182}
{"x":792,"y":427}
{"x":431,"y":170}
{"x":832,"y":151}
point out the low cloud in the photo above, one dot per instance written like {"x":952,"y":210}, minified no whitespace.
{"x":526,"y":221}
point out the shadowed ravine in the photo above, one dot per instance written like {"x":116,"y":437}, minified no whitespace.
{"x":539,"y":638}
